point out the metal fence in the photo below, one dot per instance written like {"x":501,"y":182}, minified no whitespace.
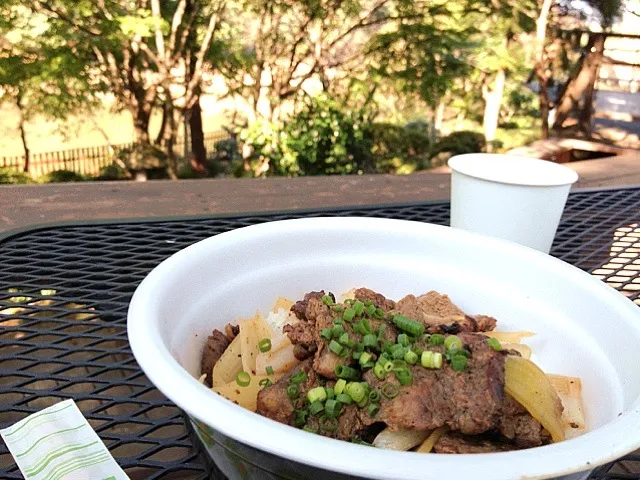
{"x":89,"y":161}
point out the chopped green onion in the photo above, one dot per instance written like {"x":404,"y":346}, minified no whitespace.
{"x":317,"y":394}
{"x":367,"y":366}
{"x":370,"y":340}
{"x":344,"y":338}
{"x":381,"y":330}
{"x":458,"y":363}
{"x":453,"y":342}
{"x":349,"y":301}
{"x":404,"y":377}
{"x":373,"y":409}
{"x":338,"y":308}
{"x":411,"y":357}
{"x":337,"y":330}
{"x":265,"y":382}
{"x":494,"y":343}
{"x":327,"y":300}
{"x":348,"y":314}
{"x":309,"y":429}
{"x":344,"y":353}
{"x":269,"y":370}
{"x":398,"y":365}
{"x":316,"y":407}
{"x":397,"y":352}
{"x":374,"y":396}
{"x":369,"y":310}
{"x":437,"y":360}
{"x":299,"y":377}
{"x":379,"y":371}
{"x":329,"y":425}
{"x":358,"y":307}
{"x":356,"y":391}
{"x":335,"y":347}
{"x":387,"y":365}
{"x":426,"y":337}
{"x":363,"y":327}
{"x":345,"y":372}
{"x":436,"y":339}
{"x":332,"y":408}
{"x":363,"y":402}
{"x":431,"y":359}
{"x":344,"y":398}
{"x":327,"y":333}
{"x":368,"y":303}
{"x":403,"y":339}
{"x":264,"y":345}
{"x":356,"y":355}
{"x":387,"y":346}
{"x":364,"y":358}
{"x":292,"y":391}
{"x":301,"y":417}
{"x":390,"y":390}
{"x":243,"y":379}
{"x":330,"y":393}
{"x":407,"y":325}
{"x":337,"y":321}
{"x":379,"y":313}
{"x":339,"y":386}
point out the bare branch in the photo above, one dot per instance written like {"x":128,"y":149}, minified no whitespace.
{"x":155,"y":12}
{"x":175,"y":24}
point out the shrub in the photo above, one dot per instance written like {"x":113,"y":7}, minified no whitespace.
{"x":398,"y":149}
{"x":63,"y":176}
{"x":457,"y":143}
{"x":143,"y":157}
{"x":9,"y":176}
{"x":113,"y":172}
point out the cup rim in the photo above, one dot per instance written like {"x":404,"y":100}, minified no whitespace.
{"x":491,"y":167}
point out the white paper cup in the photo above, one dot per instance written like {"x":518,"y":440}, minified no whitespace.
{"x":515,"y":198}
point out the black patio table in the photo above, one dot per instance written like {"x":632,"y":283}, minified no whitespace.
{"x":65,"y":289}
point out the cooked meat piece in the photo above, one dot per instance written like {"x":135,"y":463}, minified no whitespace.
{"x":469,"y":401}
{"x":441,"y":315}
{"x":302,"y":353}
{"x":231,"y":331}
{"x":379,"y":300}
{"x":217,"y":343}
{"x":453,"y":442}
{"x":519,"y":427}
{"x":302,"y":333}
{"x":300,"y":307}
{"x":273,"y":401}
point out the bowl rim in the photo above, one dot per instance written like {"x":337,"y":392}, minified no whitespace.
{"x":579,"y":454}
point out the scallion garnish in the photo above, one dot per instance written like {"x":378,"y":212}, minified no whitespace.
{"x":338,"y":308}
{"x":381,"y":330}
{"x":369,"y":310}
{"x":373,"y":409}
{"x":327,"y":300}
{"x":243,"y":379}
{"x":339,"y":386}
{"x":390,"y":390}
{"x":370,"y":340}
{"x":316,"y":407}
{"x":458,"y":363}
{"x":397,"y":352}
{"x":264,"y":345}
{"x":309,"y":429}
{"x":344,"y":338}
{"x":403,"y":339}
{"x":404,"y":377}
{"x":330,"y":393}
{"x":344,"y":398}
{"x":365,"y":357}
{"x":335,"y":347}
{"x":368,"y":303}
{"x":332,"y":408}
{"x":494,"y":343}
{"x":329,"y":424}
{"x":379,"y":371}
{"x":292,"y":391}
{"x":345,"y":372}
{"x":436,"y":339}
{"x":317,"y":394}
{"x":265,"y":382}
{"x":356,"y":391}
{"x":430,"y":359}
{"x":407,"y":325}
{"x":358,"y":307}
{"x":452,"y":343}
{"x":411,"y":357}
{"x":374,"y":396}
{"x":326,"y":333}
{"x":269,"y":370}
{"x":348,"y":314}
{"x":379,"y":313}
{"x":337,"y":330}
{"x":299,"y":377}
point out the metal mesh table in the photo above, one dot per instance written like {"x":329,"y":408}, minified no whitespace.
{"x":64,"y":293}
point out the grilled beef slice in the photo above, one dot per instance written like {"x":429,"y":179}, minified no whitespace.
{"x":217,"y":343}
{"x":453,"y":442}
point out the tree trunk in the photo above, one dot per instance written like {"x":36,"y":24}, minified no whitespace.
{"x":198,"y":149}
{"x":578,"y":95}
{"x":169,"y":140}
{"x":541,"y":67}
{"x":141,"y":117}
{"x":493,"y":101}
{"x":163,"y":124}
{"x":439,"y":119}
{"x":23,"y":133}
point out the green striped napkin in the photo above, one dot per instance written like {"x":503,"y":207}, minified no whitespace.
{"x":58,"y":443}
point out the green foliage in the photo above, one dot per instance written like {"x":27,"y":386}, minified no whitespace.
{"x":9,"y":176}
{"x":457,"y":143}
{"x":398,"y":149}
{"x":62,"y":176}
{"x":113,"y":172}
{"x":143,"y":157}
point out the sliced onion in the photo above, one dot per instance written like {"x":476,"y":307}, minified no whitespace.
{"x":432,"y":439}
{"x":400,"y":439}
{"x":530,"y":387}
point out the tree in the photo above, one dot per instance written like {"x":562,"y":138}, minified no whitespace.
{"x":137,"y":50}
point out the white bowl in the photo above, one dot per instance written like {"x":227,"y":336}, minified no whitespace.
{"x":584,"y":328}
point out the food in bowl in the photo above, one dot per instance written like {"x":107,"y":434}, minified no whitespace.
{"x":417,"y":374}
